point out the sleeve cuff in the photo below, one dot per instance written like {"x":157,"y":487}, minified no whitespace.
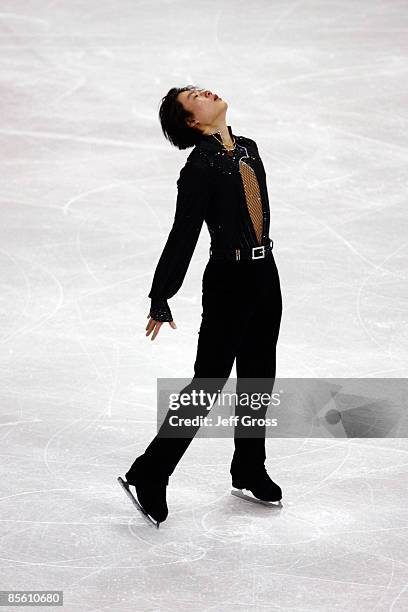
{"x":160,"y":310}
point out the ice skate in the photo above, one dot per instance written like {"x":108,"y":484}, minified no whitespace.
{"x":262,"y":487}
{"x":150,"y":497}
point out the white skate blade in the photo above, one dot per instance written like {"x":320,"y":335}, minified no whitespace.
{"x":125,"y":485}
{"x":239,"y":493}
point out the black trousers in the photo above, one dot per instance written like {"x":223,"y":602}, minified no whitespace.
{"x":241,"y":315}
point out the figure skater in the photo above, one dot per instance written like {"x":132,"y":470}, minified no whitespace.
{"x":223,"y":183}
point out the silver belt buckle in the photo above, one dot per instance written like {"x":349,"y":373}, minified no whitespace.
{"x":258,"y":256}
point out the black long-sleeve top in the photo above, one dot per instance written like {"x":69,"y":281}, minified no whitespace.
{"x":210,"y":189}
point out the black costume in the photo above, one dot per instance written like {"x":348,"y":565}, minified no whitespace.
{"x":241,"y":299}
{"x":209,"y":189}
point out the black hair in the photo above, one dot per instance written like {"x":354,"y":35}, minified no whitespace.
{"x":173,"y":116}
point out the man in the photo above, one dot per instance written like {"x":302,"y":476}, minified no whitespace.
{"x":223,"y":183}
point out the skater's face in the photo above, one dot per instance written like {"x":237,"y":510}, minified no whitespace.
{"x":206,"y":107}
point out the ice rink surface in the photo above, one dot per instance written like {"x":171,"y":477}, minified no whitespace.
{"x":88,"y":189}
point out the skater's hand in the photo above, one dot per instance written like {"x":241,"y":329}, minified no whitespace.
{"x":154,"y":326}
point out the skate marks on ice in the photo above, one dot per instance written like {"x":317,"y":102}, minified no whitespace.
{"x":126,"y":487}
{"x":272,"y":504}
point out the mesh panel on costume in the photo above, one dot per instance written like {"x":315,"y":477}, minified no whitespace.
{"x":253,"y":197}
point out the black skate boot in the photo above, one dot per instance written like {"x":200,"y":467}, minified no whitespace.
{"x":151,"y":494}
{"x":264,"y":489}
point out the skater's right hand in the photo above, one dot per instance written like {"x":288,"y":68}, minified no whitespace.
{"x":154,"y":326}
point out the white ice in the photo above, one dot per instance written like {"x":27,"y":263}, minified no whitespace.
{"x":87,"y":198}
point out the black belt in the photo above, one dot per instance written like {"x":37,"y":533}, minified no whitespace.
{"x":258,"y":252}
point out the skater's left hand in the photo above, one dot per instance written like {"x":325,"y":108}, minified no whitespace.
{"x":156,"y":325}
